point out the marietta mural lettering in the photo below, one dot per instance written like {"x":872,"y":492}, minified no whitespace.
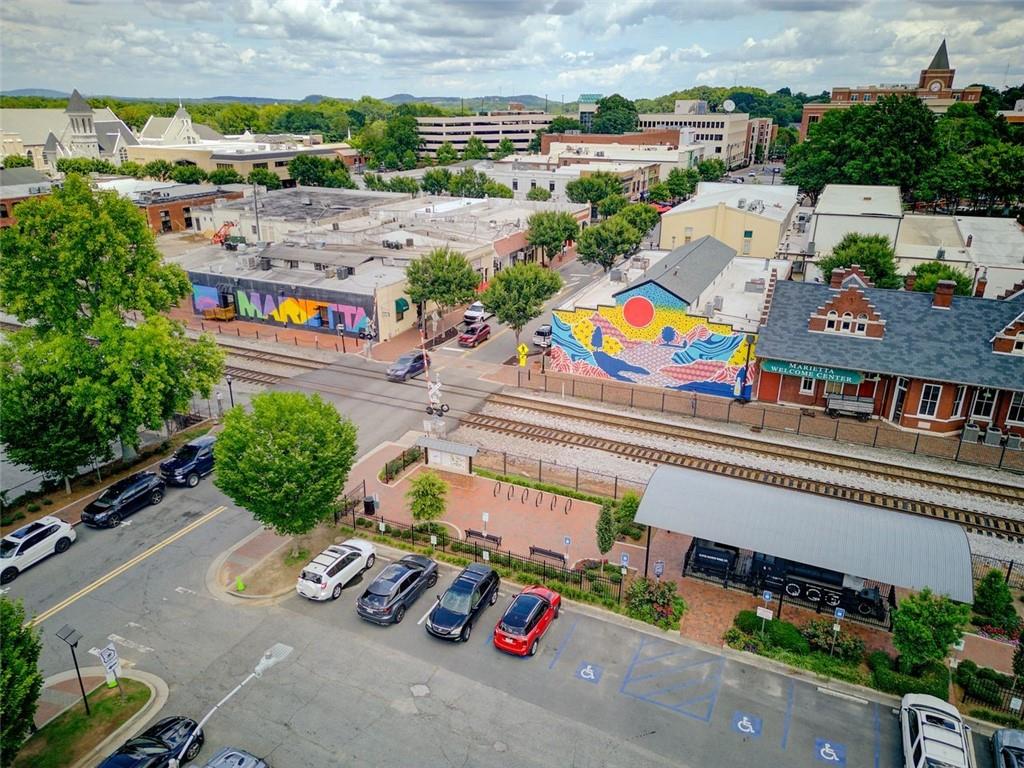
{"x":266,"y":306}
{"x":648,"y":338}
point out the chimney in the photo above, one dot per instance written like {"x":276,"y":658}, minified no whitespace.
{"x":908,"y":281}
{"x":837,"y":278}
{"x":979,"y":286}
{"x":943,"y":297}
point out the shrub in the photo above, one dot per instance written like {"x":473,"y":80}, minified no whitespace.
{"x":992,"y":599}
{"x":932,"y":677}
{"x":33,"y":507}
{"x":393,"y":467}
{"x":999,"y":718}
{"x":47,"y":502}
{"x":777,"y":633}
{"x":820,"y":636}
{"x":655,"y":602}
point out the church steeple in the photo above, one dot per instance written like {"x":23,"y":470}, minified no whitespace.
{"x":941,"y":59}
{"x":82,"y":139}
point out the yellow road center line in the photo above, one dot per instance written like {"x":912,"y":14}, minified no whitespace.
{"x":124,"y":567}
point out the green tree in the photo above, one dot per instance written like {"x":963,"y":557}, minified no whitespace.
{"x":538,"y":195}
{"x":188,"y":174}
{"x":929,"y":273}
{"x":593,"y":188}
{"x":309,"y":170}
{"x":470,"y":183}
{"x":605,"y":528}
{"x":160,"y":170}
{"x":17,"y":161}
{"x":236,"y":119}
{"x":226,"y":176}
{"x":427,"y":497}
{"x":615,"y":114}
{"x":711,"y":169}
{"x":403,"y":184}
{"x":549,"y":231}
{"x":444,"y":277}
{"x":563,"y":124}
{"x":516,"y":295}
{"x":994,"y":602}
{"x":606,"y":242}
{"x":659,"y":193}
{"x":504,"y":149}
{"x":286,"y":460}
{"x":475,"y":149}
{"x":872,"y":253}
{"x":924,"y":626}
{"x":446,"y":154}
{"x":1018,"y":663}
{"x":85,"y":165}
{"x":612,"y":204}
{"x":681,"y":183}
{"x":641,"y":216}
{"x":785,"y":138}
{"x":759,"y":153}
{"x":338,"y":177}
{"x":494,"y":189}
{"x":21,"y":682}
{"x":435,"y":181}
{"x":264,"y":177}
{"x":625,"y":515}
{"x":129,"y":168}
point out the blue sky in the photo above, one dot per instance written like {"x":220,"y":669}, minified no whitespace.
{"x":640,"y":48}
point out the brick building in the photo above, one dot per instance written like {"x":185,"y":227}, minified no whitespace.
{"x":930,"y":362}
{"x":16,"y":185}
{"x":668,"y":137}
{"x":170,"y":209}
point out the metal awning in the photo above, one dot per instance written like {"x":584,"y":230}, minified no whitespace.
{"x":896,"y":548}
{"x":401,"y":304}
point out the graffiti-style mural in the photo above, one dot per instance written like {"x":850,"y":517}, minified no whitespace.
{"x":258,"y":305}
{"x":649,"y":338}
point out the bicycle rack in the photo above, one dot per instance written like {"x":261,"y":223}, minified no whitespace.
{"x":497,"y":488}
{"x":568,"y":506}
{"x":554,"y":502}
{"x":524,"y":496}
{"x":510,"y":494}
{"x":539,"y":499}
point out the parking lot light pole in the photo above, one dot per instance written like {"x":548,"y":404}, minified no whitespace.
{"x":274,"y":655}
{"x":71,"y":636}
{"x":231,"y":392}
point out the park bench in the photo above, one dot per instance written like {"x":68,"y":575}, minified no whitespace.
{"x":488,"y":537}
{"x":549,"y":553}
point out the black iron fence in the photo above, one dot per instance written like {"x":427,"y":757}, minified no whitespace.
{"x":1012,"y":572}
{"x":555,"y":474}
{"x":991,"y":694}
{"x":396,"y":466}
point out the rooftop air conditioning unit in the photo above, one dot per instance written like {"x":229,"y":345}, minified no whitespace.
{"x":387,"y":261}
{"x":265,"y":264}
{"x":941,"y":254}
{"x":718,"y":303}
{"x":307,"y":200}
{"x":409,"y":242}
{"x":342,"y":272}
{"x":248,"y":262}
{"x":335,"y":226}
{"x":742,"y":203}
{"x":615,"y":276}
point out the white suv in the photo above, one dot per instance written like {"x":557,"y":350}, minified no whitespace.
{"x":332,"y":569}
{"x":31,"y":543}
{"x":934,"y":734}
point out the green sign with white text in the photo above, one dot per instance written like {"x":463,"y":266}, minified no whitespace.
{"x":812,"y":371}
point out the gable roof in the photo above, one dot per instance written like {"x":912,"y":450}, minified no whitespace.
{"x":155,"y":127}
{"x":10,"y":177}
{"x":689,"y":269}
{"x":107,"y":133}
{"x":951,"y":345}
{"x":33,"y":125}
{"x":76,"y":104}
{"x":206,"y":133}
{"x":941,"y":59}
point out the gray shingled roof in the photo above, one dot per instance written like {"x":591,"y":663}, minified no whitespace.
{"x":156,"y":127}
{"x":10,"y":177}
{"x":920,"y":341}
{"x":941,"y":58}
{"x":76,"y":104}
{"x":107,"y":132}
{"x":895,"y":548}
{"x":206,"y":133}
{"x":689,"y":269}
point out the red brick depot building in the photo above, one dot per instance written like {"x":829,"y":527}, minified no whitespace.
{"x":929,"y":362}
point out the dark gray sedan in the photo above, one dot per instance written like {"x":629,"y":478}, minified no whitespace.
{"x":1008,"y":746}
{"x":396,"y":588}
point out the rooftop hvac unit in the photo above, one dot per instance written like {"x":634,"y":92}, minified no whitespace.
{"x":615,"y":275}
{"x":307,"y":200}
{"x":708,"y":309}
{"x":248,"y":262}
{"x":387,"y":261}
{"x":335,"y":226}
{"x":264,"y":263}
{"x":342,"y":272}
{"x":810,"y":247}
{"x":319,"y":245}
{"x":742,"y":203}
{"x":409,"y":242}
{"x":718,"y":303}
{"x":940,"y":254}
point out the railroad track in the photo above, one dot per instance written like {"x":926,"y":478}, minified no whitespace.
{"x":989,"y":525}
{"x":257,"y":377}
{"x":957,"y":484}
{"x":274,"y":357}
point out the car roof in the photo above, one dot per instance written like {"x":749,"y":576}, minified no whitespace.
{"x":476,"y":572}
{"x":523,"y":607}
{"x":418,"y":560}
{"x":232,"y":757}
{"x":34,"y":527}
{"x":202,"y":442}
{"x":328,"y":557}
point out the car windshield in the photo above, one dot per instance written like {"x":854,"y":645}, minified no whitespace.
{"x":457,"y":598}
{"x":142,"y":746}
{"x":186,"y":452}
{"x":8,"y":548}
{"x":405,"y":360}
{"x":376,"y":598}
{"x":108,"y":497}
{"x":311,"y":576}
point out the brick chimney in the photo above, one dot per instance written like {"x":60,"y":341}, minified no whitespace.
{"x":908,"y":281}
{"x":943,"y":297}
{"x":837,"y":278}
{"x":982,"y":281}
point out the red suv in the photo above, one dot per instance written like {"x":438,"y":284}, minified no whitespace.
{"x":526,"y":620}
{"x":474,"y":334}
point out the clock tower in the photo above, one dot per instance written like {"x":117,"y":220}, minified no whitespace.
{"x":938,"y":77}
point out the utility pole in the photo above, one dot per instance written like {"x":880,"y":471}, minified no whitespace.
{"x":256,"y":209}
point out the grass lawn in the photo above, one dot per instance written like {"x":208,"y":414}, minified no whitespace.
{"x":280,"y":569}
{"x":72,"y":735}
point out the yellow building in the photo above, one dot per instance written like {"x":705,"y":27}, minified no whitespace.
{"x":750,"y":219}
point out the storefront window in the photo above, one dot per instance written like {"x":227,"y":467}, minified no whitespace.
{"x":834,"y":387}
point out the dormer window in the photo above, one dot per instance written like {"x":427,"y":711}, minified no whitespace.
{"x":830,"y":323}
{"x":1018,"y":344}
{"x":847,"y":321}
{"x":862,"y":323}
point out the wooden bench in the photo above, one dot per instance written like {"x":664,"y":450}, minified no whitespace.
{"x":843,"y":405}
{"x":549,"y":553}
{"x":488,"y":537}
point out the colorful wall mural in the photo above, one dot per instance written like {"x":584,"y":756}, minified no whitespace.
{"x":649,"y":338}
{"x":260,"y":305}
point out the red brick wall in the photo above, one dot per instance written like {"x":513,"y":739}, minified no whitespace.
{"x":176,"y":208}
{"x":667,"y":137}
{"x":10,"y":203}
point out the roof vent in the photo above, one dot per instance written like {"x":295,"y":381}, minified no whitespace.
{"x":867,"y":199}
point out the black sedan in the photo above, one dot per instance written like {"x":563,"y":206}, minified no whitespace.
{"x":155,"y":747}
{"x":396,"y":588}
{"x":124,"y":498}
{"x":455,"y":612}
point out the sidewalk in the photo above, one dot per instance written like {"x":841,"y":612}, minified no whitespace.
{"x":61,"y":692}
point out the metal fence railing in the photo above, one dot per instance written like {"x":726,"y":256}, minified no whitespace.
{"x":1012,"y":572}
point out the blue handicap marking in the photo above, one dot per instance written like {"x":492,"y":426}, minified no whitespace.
{"x":624,"y":559}
{"x":567,"y":541}
{"x":766,"y":596}
{"x":840,"y":614}
{"x":746,"y":724}
{"x":588,"y":672}
{"x":829,"y":752}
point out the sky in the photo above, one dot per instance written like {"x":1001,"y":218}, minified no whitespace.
{"x":557,"y":48}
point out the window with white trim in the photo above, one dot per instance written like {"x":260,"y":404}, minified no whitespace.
{"x":862,"y":323}
{"x":930,"y":395}
{"x":984,"y":402}
{"x":834,"y":387}
{"x":806,"y":386}
{"x":1018,"y":344}
{"x":958,"y":400}
{"x":1016,"y":411}
{"x":830,"y":322}
{"x":847,"y":321}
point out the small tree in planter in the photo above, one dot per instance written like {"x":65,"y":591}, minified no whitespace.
{"x":427,"y":497}
{"x":605,"y":528}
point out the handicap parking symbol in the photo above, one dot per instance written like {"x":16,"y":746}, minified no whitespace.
{"x":829,"y":752}
{"x":746,"y":724}
{"x":588,"y":672}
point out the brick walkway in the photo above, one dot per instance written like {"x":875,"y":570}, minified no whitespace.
{"x":57,"y":697}
{"x":986,"y":652}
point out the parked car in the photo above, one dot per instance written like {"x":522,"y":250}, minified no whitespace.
{"x":542,"y":336}
{"x":329,"y":572}
{"x":230,"y":757}
{"x":1008,"y":748}
{"x":155,"y":746}
{"x":31,"y":543}
{"x":934,"y":734}
{"x":190,"y":462}
{"x":752,"y":173}
{"x":455,"y":612}
{"x":396,"y":588}
{"x":476,"y":313}
{"x":526,"y":620}
{"x":408,"y":365}
{"x":474,"y":334}
{"x":662,"y":207}
{"x":124,"y":498}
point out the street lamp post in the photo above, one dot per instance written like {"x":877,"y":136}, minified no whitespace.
{"x":274,"y":655}
{"x":71,"y":636}
{"x":231,"y":392}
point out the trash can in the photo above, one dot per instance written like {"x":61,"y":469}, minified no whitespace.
{"x":371,"y":504}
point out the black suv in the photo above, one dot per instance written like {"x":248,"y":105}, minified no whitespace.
{"x":155,"y":746}
{"x":396,"y":588}
{"x":124,"y":498}
{"x":190,"y":462}
{"x":453,"y":615}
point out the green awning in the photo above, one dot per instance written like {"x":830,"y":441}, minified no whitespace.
{"x":401,"y":304}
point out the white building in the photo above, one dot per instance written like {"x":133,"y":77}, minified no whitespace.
{"x":521,"y":173}
{"x":519,"y":126}
{"x":725,"y":134}
{"x":845,"y":208}
{"x":686,"y":156}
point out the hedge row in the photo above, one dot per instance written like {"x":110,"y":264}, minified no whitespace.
{"x":932,"y":679}
{"x":981,"y":683}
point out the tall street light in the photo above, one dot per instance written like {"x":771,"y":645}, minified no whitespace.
{"x":274,"y":655}
{"x":71,"y":636}
{"x":231,"y":392}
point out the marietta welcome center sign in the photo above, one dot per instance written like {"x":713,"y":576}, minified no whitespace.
{"x":812,"y":371}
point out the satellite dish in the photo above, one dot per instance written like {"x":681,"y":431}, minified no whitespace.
{"x":729,"y":105}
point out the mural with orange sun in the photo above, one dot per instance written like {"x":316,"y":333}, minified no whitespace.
{"x":649,"y":338}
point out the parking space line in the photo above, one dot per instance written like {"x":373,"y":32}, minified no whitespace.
{"x":710,"y":679}
{"x":878,"y":738}
{"x":562,"y":645}
{"x":424,"y":617}
{"x":789,"y":714}
{"x":653,"y":675}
